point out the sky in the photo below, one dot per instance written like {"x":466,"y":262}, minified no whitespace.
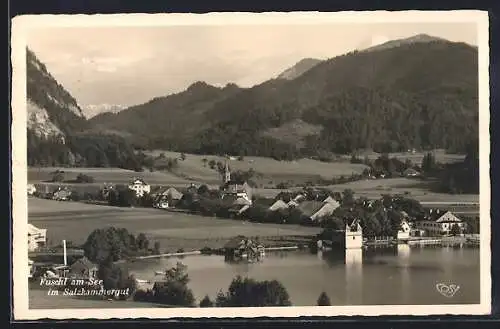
{"x":131,"y":65}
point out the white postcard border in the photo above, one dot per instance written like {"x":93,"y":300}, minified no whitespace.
{"x":21,"y":26}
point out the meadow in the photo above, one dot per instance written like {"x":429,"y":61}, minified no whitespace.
{"x":440,"y":155}
{"x":104,"y":175}
{"x":411,"y":188}
{"x":75,"y":221}
{"x":270,"y":171}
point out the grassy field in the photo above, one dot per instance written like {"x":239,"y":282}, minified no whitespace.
{"x":440,"y":155}
{"x":273,"y":171}
{"x":105,"y":175}
{"x":75,"y":221}
{"x":412,"y":188}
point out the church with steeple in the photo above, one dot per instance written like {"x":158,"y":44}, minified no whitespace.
{"x":235,"y":188}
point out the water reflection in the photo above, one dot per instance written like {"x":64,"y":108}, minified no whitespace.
{"x":375,"y":276}
{"x":353,"y":276}
{"x":404,"y":259}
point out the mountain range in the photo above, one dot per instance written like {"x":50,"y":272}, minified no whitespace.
{"x":95,"y":109}
{"x":419,"y":92}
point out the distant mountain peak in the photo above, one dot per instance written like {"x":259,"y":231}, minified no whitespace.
{"x":200,"y":85}
{"x":299,"y":68}
{"x":419,"y":38}
{"x":92,"y":110}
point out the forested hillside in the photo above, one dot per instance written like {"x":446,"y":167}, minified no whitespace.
{"x":58,"y":133}
{"x":419,"y":95}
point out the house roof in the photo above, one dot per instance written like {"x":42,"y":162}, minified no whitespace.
{"x":279,"y":204}
{"x":326,"y":210}
{"x":331,"y":200}
{"x":309,"y":208}
{"x":242,"y":202}
{"x":447,"y":217}
{"x":239,"y":209}
{"x":32,"y":229}
{"x":83,"y":262}
{"x":235,"y":242}
{"x":264,"y":202}
{"x":138,"y":181}
{"x":299,"y":197}
{"x":171,"y":193}
{"x":435,"y":214}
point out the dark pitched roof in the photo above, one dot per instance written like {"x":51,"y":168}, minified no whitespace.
{"x":309,"y":208}
{"x":83,"y":262}
{"x":235,"y":242}
{"x":435,"y":214}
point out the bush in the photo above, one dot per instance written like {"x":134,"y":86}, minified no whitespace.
{"x":143,"y":295}
{"x":206,"y":302}
{"x":82,"y":178}
{"x":156,"y":248}
{"x":58,"y":176}
{"x":116,"y":277}
{"x":174,"y":290}
{"x":113,"y":244}
{"x":206,"y":251}
{"x":251,"y":293}
{"x":323,"y":300}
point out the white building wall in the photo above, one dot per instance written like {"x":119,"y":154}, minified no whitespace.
{"x":353,"y":240}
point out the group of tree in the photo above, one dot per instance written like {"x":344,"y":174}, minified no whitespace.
{"x":247,"y":292}
{"x":125,"y":197}
{"x":116,"y":276}
{"x":378,"y":217}
{"x":171,"y":290}
{"x":112,"y":244}
{"x":462,"y":177}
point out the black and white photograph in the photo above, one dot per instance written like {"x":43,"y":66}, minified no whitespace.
{"x":250,"y":164}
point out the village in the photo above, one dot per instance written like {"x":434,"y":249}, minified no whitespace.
{"x":347,"y":223}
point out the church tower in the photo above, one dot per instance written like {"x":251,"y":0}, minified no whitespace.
{"x":227,"y":174}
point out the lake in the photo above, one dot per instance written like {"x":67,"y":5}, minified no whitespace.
{"x":378,"y":276}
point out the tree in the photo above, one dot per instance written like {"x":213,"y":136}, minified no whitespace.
{"x":108,"y":244}
{"x":251,"y":293}
{"x":428,"y":163}
{"x":122,"y":198}
{"x":204,"y":160}
{"x":156,"y":248}
{"x":82,"y":178}
{"x":203,"y":189}
{"x":206,"y":302}
{"x":116,"y":276}
{"x":58,"y":176}
{"x":174,"y":290}
{"x":323,"y":300}
{"x":455,"y":230}
{"x":348,"y":197}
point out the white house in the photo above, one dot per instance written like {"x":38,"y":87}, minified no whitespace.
{"x":404,"y":231}
{"x":139,"y":186}
{"x":36,"y":237}
{"x":353,"y":236}
{"x":31,"y":189}
{"x":440,"y":223}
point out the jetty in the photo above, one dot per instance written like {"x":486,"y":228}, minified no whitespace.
{"x":172,"y":254}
